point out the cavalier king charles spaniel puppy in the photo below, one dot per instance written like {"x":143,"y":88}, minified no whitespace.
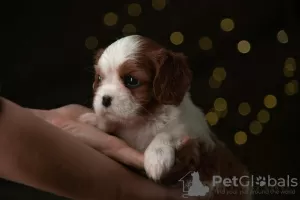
{"x":141,"y":95}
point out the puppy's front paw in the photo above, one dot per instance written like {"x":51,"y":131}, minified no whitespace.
{"x":88,"y":118}
{"x":158,"y":161}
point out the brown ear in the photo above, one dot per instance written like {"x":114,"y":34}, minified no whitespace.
{"x":173,"y":77}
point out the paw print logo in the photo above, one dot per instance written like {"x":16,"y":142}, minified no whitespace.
{"x":261,"y":181}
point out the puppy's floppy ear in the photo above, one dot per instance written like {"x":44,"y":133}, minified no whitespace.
{"x":173,"y":77}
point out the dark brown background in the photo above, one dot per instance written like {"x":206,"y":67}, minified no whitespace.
{"x":45,"y":64}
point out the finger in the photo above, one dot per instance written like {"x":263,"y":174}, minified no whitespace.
{"x":72,"y":111}
{"x":44,"y":114}
{"x":107,"y":144}
{"x":126,"y":155}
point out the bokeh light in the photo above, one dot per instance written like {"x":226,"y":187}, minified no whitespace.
{"x":212,"y":118}
{"x":213,"y":83}
{"x":205,"y":43}
{"x":176,"y":38}
{"x":244,"y":108}
{"x":287,"y":72}
{"x":282,"y":37}
{"x":129,"y":29}
{"x":240,"y":138}
{"x":158,"y":4}
{"x":227,"y":24}
{"x":220,"y":114}
{"x":134,"y":9}
{"x":270,"y":101}
{"x":244,"y":46}
{"x":219,"y":74}
{"x":255,"y":127}
{"x":263,"y":116}
{"x":289,"y":67}
{"x":91,"y":43}
{"x":220,"y":104}
{"x":110,"y":19}
{"x":291,"y":88}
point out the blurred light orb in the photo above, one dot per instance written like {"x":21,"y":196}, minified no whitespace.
{"x":219,"y":74}
{"x":212,"y":118}
{"x":240,"y":138}
{"x":129,"y":29}
{"x":134,"y":9}
{"x":291,"y":88}
{"x":255,"y":127}
{"x":176,"y":38}
{"x":244,"y":46}
{"x":287,"y":72}
{"x":244,"y":108}
{"x":91,"y":43}
{"x":205,"y":43}
{"x":290,"y":64}
{"x":270,"y":101}
{"x":110,"y":19}
{"x":158,"y":4}
{"x":227,"y":24}
{"x":220,"y":104}
{"x":213,"y":83}
{"x":282,"y":37}
{"x":263,"y":116}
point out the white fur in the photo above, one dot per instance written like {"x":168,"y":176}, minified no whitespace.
{"x":161,"y":134}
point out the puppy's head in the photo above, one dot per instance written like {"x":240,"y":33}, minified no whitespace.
{"x":134,"y":76}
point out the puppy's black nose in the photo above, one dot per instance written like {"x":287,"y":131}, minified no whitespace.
{"x":106,"y":100}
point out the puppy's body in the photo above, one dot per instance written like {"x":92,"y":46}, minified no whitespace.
{"x":141,"y":95}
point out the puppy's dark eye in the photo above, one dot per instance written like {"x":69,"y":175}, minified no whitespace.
{"x":131,"y":82}
{"x":99,"y":78}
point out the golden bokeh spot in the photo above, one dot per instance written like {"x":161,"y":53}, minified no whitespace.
{"x":270,"y":101}
{"x":176,"y":38}
{"x":110,"y":19}
{"x":282,"y":37}
{"x":219,"y":74}
{"x":91,"y":42}
{"x":213,"y":83}
{"x":221,"y":114}
{"x":205,"y":43}
{"x":212,"y":118}
{"x":291,"y":88}
{"x":263,"y":116}
{"x":290,"y":64}
{"x":244,"y":46}
{"x":129,"y":29}
{"x":255,"y":127}
{"x":227,"y":24}
{"x":134,"y":9}
{"x":244,"y":108}
{"x":287,"y":72}
{"x":158,"y":4}
{"x":240,"y":138}
{"x":220,"y":104}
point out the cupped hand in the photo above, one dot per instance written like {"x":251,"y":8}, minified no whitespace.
{"x":66,"y":118}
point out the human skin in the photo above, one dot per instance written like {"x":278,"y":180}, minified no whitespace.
{"x":38,"y":149}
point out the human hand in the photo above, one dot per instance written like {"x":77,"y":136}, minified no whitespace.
{"x":66,"y":119}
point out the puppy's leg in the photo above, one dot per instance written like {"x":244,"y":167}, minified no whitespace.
{"x":160,"y":156}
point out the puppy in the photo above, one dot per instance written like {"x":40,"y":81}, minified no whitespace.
{"x":141,"y":95}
